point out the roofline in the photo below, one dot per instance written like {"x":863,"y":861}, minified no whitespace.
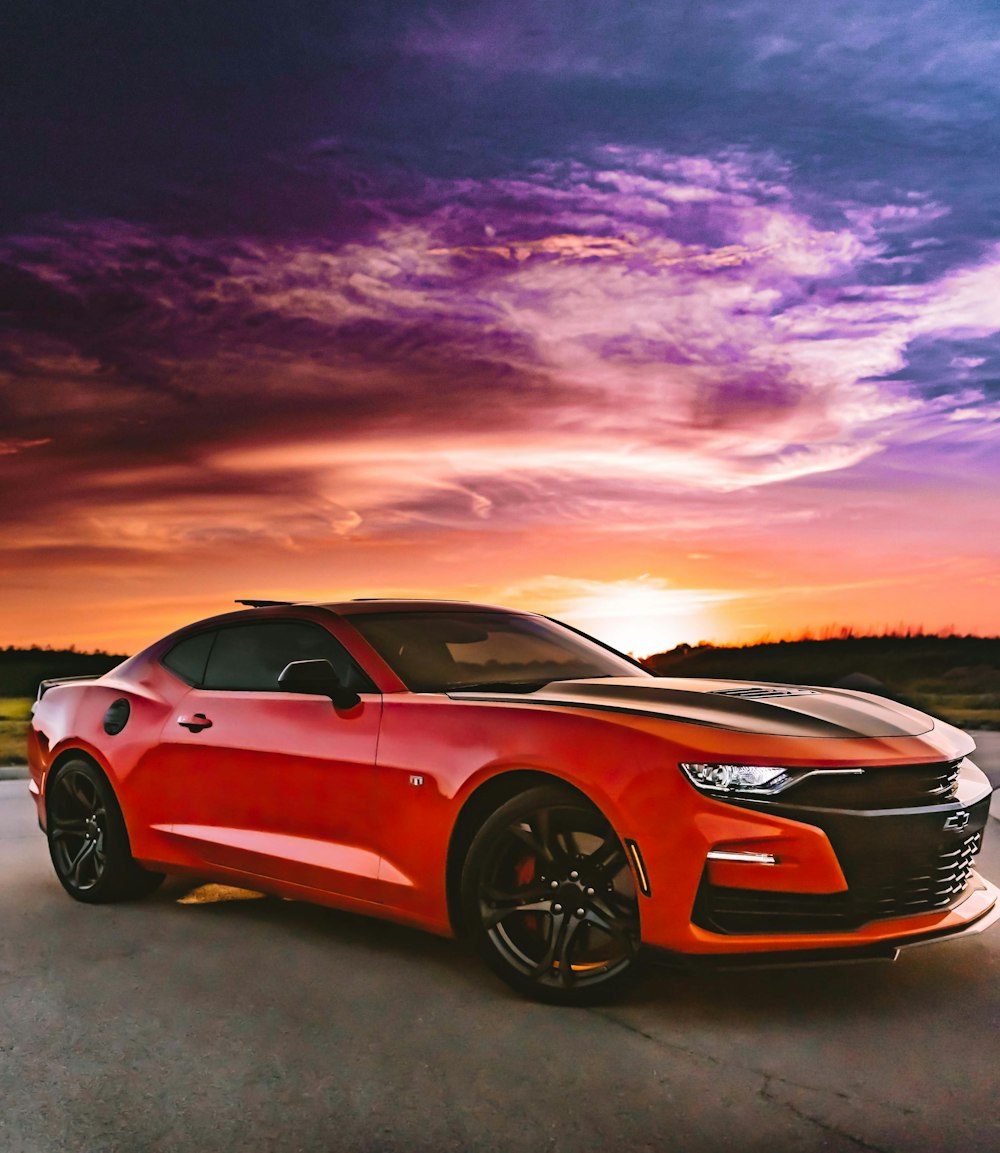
{"x":359,"y":605}
{"x":364,"y":605}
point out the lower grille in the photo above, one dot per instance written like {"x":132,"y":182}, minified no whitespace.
{"x":895,"y":886}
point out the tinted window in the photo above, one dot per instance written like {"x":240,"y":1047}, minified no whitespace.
{"x":451,"y":650}
{"x":252,"y":656}
{"x":187,"y":658}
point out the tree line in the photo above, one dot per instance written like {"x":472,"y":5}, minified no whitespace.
{"x":22,"y":669}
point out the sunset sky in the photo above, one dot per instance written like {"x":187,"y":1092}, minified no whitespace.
{"x":676,"y":320}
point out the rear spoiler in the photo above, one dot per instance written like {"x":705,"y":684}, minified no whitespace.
{"x":51,"y":683}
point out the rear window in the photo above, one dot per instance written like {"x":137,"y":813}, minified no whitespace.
{"x":251,"y":657}
{"x":188,"y":657}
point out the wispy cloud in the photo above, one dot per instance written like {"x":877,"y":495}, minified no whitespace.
{"x":581,"y":289}
{"x":586,"y":343}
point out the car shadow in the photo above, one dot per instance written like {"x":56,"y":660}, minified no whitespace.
{"x":921,"y":982}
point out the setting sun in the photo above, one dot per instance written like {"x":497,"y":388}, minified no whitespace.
{"x":639,"y":616}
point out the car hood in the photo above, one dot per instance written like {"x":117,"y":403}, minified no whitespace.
{"x":750,"y":707}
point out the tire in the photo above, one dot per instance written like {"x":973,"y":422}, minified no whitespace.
{"x":549,"y":900}
{"x":88,"y":841}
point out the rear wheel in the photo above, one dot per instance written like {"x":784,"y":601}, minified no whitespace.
{"x":548,"y":897}
{"x":88,"y":841}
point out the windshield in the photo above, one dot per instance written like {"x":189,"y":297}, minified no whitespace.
{"x":443,"y":651}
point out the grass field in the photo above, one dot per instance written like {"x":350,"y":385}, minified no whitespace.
{"x":14,"y":714}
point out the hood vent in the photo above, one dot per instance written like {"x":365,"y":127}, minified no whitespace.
{"x":757,"y":694}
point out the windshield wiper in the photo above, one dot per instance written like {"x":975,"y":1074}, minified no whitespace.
{"x":499,"y":686}
{"x":518,"y":686}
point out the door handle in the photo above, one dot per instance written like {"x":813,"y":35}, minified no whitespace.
{"x":196,"y":723}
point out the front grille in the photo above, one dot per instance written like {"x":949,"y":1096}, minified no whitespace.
{"x":883,"y":885}
{"x":885,"y":787}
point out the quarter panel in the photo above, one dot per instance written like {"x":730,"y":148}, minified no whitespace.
{"x":71,"y":718}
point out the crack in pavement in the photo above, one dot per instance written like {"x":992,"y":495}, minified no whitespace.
{"x":771,"y":1098}
{"x":766,"y":1092}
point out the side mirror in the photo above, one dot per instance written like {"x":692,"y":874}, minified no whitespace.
{"x":320,"y":679}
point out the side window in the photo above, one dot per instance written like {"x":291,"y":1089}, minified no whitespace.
{"x":188,"y":657}
{"x":251,"y":657}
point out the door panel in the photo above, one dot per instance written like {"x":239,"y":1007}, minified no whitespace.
{"x":279,"y":785}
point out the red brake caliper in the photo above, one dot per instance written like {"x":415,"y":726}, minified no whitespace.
{"x":524,"y":873}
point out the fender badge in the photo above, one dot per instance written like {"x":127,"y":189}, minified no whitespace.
{"x":957,"y":821}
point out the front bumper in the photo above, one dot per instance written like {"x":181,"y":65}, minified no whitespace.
{"x":977,"y":911}
{"x":844,"y":875}
{"x":895,"y":863}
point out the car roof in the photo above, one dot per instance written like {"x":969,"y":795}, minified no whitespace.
{"x":362,"y":605}
{"x":411,"y":604}
{"x":261,"y":609}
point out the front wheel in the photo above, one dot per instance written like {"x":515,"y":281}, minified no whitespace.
{"x":549,"y":900}
{"x":88,"y":841}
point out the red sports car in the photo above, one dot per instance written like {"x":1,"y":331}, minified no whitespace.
{"x":490,"y":773}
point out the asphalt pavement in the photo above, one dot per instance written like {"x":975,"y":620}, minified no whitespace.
{"x":987,"y":755}
{"x":267,"y":1025}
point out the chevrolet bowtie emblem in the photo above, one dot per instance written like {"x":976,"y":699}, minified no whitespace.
{"x":957,"y":821}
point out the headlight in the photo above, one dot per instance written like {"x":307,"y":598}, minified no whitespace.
{"x":738,"y":778}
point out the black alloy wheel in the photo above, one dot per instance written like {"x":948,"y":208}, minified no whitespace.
{"x":549,"y":899}
{"x":88,"y":841}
